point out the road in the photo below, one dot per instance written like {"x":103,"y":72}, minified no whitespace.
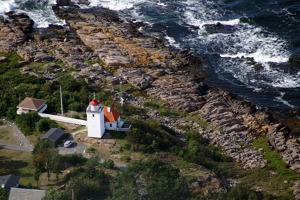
{"x":15,"y":147}
{"x":24,"y":145}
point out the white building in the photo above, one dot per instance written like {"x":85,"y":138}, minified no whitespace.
{"x":31,"y":104}
{"x":95,"y":119}
{"x":101,"y":118}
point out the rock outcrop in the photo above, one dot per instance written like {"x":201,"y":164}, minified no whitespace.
{"x":172,"y":76}
{"x":14,"y":33}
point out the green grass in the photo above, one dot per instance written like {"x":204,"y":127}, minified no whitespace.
{"x":17,"y":163}
{"x":37,"y":66}
{"x":124,"y":87}
{"x":162,"y":109}
{"x":201,"y":122}
{"x":272,"y":177}
{"x":91,"y":62}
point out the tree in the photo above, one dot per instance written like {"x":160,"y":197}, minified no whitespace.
{"x":26,"y":122}
{"x":37,"y":175}
{"x":55,"y":194}
{"x":162,"y":182}
{"x":56,"y":163}
{"x":3,"y":194}
{"x":46,"y":158}
{"x":45,"y":124}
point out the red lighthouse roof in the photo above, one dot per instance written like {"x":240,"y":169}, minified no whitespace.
{"x":94,"y":102}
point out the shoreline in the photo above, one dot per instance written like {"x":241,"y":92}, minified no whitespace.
{"x":162,"y":73}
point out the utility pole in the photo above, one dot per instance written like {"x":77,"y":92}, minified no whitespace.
{"x":121,"y":94}
{"x":61,"y":102}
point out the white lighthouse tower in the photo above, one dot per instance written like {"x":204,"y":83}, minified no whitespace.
{"x":95,"y":119}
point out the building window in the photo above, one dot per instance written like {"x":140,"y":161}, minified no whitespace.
{"x":93,"y":115}
{"x":110,"y":125}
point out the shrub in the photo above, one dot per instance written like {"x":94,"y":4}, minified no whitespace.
{"x":125,"y":158}
{"x":150,"y":135}
{"x":74,"y":159}
{"x":109,"y":164}
{"x":27,"y":122}
{"x":90,"y":150}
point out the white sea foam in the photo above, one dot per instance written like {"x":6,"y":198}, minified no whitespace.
{"x":172,"y":41}
{"x":7,"y":5}
{"x":244,"y":41}
{"x":161,"y":4}
{"x":258,"y":56}
{"x":232,"y":22}
{"x":41,"y":14}
{"x":115,"y":4}
{"x":281,"y":100}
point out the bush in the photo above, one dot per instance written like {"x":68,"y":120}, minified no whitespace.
{"x":74,"y":159}
{"x":150,"y":136}
{"x":27,"y":122}
{"x":90,"y":150}
{"x":109,"y":164}
{"x":125,"y":158}
{"x":45,"y":124}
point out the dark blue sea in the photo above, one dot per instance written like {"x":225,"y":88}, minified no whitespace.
{"x":249,"y":47}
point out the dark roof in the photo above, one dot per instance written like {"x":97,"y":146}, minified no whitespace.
{"x":31,"y":103}
{"x":22,"y":193}
{"x":9,"y":181}
{"x":54,"y":134}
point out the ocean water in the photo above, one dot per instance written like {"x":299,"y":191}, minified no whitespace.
{"x":246,"y":44}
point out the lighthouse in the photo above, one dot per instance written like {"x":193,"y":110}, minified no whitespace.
{"x":95,"y":119}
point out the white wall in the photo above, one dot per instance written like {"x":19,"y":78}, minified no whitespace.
{"x":64,"y":119}
{"x":113,"y":125}
{"x":95,"y":124}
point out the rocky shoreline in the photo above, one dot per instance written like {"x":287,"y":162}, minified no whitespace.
{"x":172,"y":76}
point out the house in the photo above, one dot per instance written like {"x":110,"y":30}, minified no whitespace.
{"x":9,"y":181}
{"x":101,"y":118}
{"x":54,"y":135}
{"x":112,"y":119}
{"x":31,"y":104}
{"x":26,"y":194}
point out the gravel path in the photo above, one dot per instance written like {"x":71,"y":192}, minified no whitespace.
{"x":24,"y":144}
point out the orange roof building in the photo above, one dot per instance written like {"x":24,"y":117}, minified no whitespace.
{"x":110,"y":114}
{"x":31,"y":104}
{"x":101,"y":118}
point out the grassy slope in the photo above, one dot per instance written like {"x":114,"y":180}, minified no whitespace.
{"x":275,"y":177}
{"x":18,"y":163}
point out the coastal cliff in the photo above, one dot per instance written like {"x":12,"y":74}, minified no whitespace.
{"x":174,"y":77}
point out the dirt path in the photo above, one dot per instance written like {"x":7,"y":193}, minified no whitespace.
{"x":24,"y":145}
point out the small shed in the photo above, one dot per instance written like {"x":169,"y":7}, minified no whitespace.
{"x":54,"y":135}
{"x":9,"y":181}
{"x":22,"y":193}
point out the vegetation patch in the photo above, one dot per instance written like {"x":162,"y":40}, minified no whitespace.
{"x":17,"y":163}
{"x":6,"y":135}
{"x":162,"y":109}
{"x":150,"y":136}
{"x":276,"y":177}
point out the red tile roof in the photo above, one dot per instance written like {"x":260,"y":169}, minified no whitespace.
{"x":31,"y":103}
{"x":111,"y":116}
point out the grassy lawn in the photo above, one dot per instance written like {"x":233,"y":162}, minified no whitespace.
{"x":6,"y":135}
{"x":32,"y":139}
{"x":275,"y":177}
{"x":17,"y":163}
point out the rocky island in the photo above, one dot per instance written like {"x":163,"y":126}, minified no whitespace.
{"x":171,"y":76}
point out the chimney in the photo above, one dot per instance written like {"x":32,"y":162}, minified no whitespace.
{"x":108,"y":109}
